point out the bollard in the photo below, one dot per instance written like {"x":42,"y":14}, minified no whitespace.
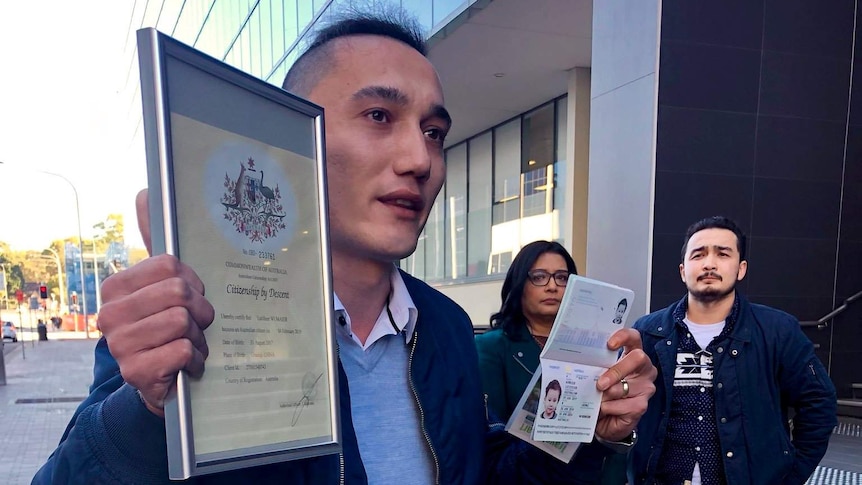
{"x":2,"y":363}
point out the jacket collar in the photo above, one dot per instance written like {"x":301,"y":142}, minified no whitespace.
{"x":674,"y":314}
{"x":521,"y":334}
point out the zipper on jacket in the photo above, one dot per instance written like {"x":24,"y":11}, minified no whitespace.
{"x":487,"y":416}
{"x":811,"y":366}
{"x":527,"y":369}
{"x":340,"y":455}
{"x":421,"y":411}
{"x":341,"y":465}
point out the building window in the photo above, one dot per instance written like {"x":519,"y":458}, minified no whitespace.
{"x":503,"y":190}
{"x":537,"y":135}
{"x":479,"y":205}
{"x":456,"y":212}
{"x":507,"y":173}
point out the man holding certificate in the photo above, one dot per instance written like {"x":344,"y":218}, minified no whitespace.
{"x":398,"y":338}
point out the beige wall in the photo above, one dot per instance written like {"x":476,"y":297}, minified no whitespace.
{"x":578,"y":157}
{"x":480,"y":300}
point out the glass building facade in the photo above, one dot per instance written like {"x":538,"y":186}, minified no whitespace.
{"x":262,"y":37}
{"x":504,"y":188}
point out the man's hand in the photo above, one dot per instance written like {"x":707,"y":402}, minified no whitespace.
{"x":153,"y":317}
{"x":620,"y":414}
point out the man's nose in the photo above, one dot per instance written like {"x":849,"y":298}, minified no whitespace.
{"x":414,"y":156}
{"x":709,"y":262}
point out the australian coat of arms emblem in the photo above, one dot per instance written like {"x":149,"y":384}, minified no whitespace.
{"x":254,"y":208}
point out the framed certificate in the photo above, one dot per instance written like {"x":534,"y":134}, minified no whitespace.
{"x":236,"y":191}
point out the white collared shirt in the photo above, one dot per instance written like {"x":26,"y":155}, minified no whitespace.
{"x":404,"y":315}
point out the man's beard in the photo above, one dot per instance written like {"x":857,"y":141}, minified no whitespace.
{"x":711,"y":294}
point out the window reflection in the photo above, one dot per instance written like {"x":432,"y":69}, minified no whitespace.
{"x":503,"y":190}
{"x":479,"y":206}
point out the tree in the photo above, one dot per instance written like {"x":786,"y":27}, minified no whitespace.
{"x":13,"y":262}
{"x":109,"y":231}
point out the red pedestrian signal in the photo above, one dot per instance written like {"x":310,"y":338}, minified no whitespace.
{"x":43,"y":292}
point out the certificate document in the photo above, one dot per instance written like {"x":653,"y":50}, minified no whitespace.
{"x":235,"y":169}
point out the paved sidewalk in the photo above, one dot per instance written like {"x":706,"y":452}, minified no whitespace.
{"x":58,"y":370}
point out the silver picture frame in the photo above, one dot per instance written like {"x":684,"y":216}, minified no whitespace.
{"x":269,"y":392}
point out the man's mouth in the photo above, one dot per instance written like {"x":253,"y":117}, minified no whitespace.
{"x":709,"y":276}
{"x":403,"y":199}
{"x":407,"y":204}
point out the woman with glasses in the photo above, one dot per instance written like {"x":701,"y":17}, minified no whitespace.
{"x":509,"y":352}
{"x":531,"y":295}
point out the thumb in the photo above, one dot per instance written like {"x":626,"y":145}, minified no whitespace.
{"x":143,"y":210}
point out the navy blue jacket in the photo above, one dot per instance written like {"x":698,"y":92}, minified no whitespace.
{"x":114,"y":439}
{"x":766,"y":367}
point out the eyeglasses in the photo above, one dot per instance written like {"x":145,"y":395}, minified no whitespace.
{"x":542,"y":278}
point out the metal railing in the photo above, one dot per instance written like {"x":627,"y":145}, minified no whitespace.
{"x":823,"y":321}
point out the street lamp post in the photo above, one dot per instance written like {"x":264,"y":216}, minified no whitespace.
{"x":80,"y":245}
{"x":96,"y":274}
{"x":60,"y":278}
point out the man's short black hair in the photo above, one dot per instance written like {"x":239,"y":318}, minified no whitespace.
{"x":317,"y":58}
{"x":716,"y":222}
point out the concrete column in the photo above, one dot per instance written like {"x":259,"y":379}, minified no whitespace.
{"x":624,"y":92}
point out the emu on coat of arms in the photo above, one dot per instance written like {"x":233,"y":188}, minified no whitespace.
{"x":253,"y":207}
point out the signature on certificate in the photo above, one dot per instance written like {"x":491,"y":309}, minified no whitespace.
{"x":309,"y":391}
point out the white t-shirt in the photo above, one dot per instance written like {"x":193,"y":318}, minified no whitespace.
{"x":704,"y":333}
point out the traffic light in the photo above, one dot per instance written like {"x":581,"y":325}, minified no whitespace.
{"x":43,"y":292}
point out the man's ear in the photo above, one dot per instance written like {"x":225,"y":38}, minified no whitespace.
{"x":682,"y":272}
{"x":743,"y":268}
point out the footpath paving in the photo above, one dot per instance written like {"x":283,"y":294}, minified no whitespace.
{"x":44,"y":385}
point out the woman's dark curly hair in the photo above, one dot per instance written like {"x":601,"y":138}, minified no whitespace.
{"x":511,"y":315}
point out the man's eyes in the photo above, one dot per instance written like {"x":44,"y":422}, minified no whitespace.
{"x":435,"y":134}
{"x":378,"y":115}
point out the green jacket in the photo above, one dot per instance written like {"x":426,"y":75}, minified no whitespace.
{"x":506,"y":365}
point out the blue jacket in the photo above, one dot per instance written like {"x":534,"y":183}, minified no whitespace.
{"x":767,"y":367}
{"x":113,"y":438}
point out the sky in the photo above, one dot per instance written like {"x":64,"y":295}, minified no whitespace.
{"x":68,"y":105}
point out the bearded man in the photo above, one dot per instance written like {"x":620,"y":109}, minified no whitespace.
{"x":729,"y":372}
